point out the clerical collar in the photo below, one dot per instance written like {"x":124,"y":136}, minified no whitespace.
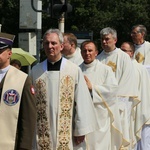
{"x":54,"y":66}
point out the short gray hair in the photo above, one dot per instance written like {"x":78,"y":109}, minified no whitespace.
{"x":57,"y":31}
{"x":108,"y":30}
{"x":141,"y":27}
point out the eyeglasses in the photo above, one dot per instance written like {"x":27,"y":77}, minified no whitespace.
{"x":135,"y":32}
{"x":127,"y":50}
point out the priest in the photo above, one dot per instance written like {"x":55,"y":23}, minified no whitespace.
{"x":65,"y":112}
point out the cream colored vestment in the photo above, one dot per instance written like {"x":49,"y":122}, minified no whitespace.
{"x":142,"y":53}
{"x":142,"y":110}
{"x":64,"y":105}
{"x":104,"y":86}
{"x":75,"y":57}
{"x":142,"y":122}
{"x":122,"y":67}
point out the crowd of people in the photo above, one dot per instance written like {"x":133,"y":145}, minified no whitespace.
{"x":77,"y":99}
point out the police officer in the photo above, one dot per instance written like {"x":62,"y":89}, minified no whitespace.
{"x":17,"y":102}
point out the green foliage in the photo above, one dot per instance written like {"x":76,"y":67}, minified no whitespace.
{"x":9,"y":17}
{"x":93,"y":15}
{"x":87,"y":15}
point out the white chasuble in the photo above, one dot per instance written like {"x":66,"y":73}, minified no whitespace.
{"x":104,"y":86}
{"x":63,"y":110}
{"x":9,"y":107}
{"x":142,"y":53}
{"x":75,"y":57}
{"x":142,"y":110}
{"x":147,"y":68}
{"x":122,"y":67}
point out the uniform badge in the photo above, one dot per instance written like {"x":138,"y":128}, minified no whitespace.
{"x":11,"y":97}
{"x":32,"y":90}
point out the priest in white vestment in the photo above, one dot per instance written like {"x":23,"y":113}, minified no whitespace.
{"x":123,"y":69}
{"x":65,"y":112}
{"x":103,"y":87}
{"x":71,"y":51}
{"x":142,"y":111}
{"x":142,"y":47}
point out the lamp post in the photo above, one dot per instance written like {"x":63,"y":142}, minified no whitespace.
{"x":59,"y":9}
{"x":0,"y":27}
{"x":61,"y":20}
{"x":61,"y":23}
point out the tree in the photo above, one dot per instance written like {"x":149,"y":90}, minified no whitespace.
{"x":87,"y":15}
{"x":9,"y":17}
{"x":119,"y":14}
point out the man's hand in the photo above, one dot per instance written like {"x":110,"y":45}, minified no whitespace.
{"x":78,"y":139}
{"x":88,"y":83}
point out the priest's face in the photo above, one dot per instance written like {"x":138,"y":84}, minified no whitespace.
{"x":127,"y":49}
{"x":52,"y":47}
{"x":67,"y":50}
{"x":137,"y":36}
{"x":108,"y":42}
{"x":89,"y":53}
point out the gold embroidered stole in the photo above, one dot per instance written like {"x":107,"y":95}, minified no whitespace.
{"x":43,"y":124}
{"x":9,"y":107}
{"x":64,"y":122}
{"x":64,"y":134}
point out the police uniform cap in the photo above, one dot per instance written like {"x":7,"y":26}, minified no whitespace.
{"x":6,"y":40}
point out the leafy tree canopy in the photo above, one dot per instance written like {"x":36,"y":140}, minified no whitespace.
{"x":87,"y":15}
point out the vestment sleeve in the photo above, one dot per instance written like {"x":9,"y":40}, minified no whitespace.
{"x":85,"y":118}
{"x":107,"y":90}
